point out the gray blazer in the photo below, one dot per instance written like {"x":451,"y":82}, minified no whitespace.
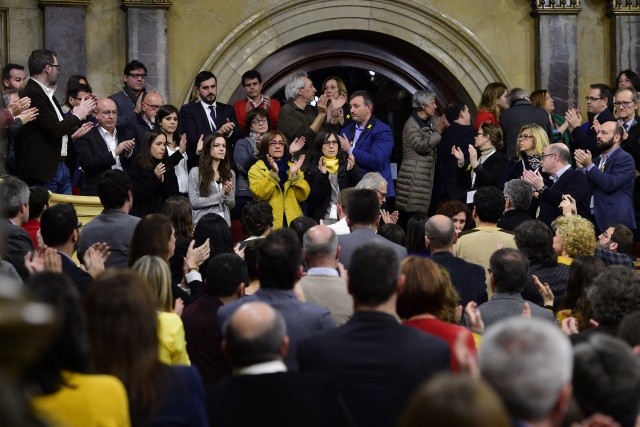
{"x":503,"y":305}
{"x":358,"y":237}
{"x":17,"y":243}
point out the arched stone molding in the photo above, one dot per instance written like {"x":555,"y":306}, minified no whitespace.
{"x":437,"y":34}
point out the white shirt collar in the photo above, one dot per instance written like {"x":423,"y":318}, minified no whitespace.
{"x":557,"y":176}
{"x":47,"y":90}
{"x":271,"y":367}
{"x":255,"y":105}
{"x":105,"y":133}
{"x":206,"y":106}
{"x":325,"y":271}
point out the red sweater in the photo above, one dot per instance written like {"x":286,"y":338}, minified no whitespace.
{"x":272,"y":112}
{"x":485,"y":116}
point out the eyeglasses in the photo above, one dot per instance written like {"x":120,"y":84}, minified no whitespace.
{"x":481,"y":134}
{"x":383,"y":195}
{"x":138,"y":76}
{"x":276,"y":143}
{"x":592,"y":98}
{"x":542,"y":156}
{"x":330,"y":143}
{"x":524,"y":136}
{"x":56,"y":66}
{"x":259,"y":121}
{"x":109,"y":112}
{"x":624,"y":104}
{"x":153,"y":107}
{"x":624,"y":81}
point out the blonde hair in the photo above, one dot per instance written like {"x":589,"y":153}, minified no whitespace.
{"x":489,"y":100}
{"x":540,"y":138}
{"x":155,"y":271}
{"x":578,"y":235}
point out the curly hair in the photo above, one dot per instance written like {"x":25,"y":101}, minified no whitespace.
{"x":489,"y":100}
{"x":452,"y":208}
{"x":614,"y":293}
{"x":578,"y":235}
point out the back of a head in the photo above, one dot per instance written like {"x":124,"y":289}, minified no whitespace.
{"x":114,"y":187}
{"x":440,"y":231}
{"x":279,"y":259}
{"x":251,"y":258}
{"x":58,"y":224}
{"x":425,"y":288}
{"x":155,"y":271}
{"x":373,"y":274}
{"x":415,"y":233}
{"x":224,"y":274}
{"x":614,"y":293}
{"x":363,"y":207}
{"x":455,"y":401}
{"x":371,"y":181}
{"x":320,"y":242}
{"x":178,"y":210}
{"x":38,"y":200}
{"x":343,"y":198}
{"x":254,"y":334}
{"x":213,"y":227}
{"x":623,"y":236}
{"x":301,"y":224}
{"x":13,"y":193}
{"x":534,"y":239}
{"x":606,"y":379}
{"x":629,"y":329}
{"x":489,"y":204}
{"x":393,"y":233}
{"x":453,"y":110}
{"x":510,"y":269}
{"x":519,"y":192}
{"x":515,"y":94}
{"x":528,"y":362}
{"x":150,"y":237}
{"x":257,"y":217}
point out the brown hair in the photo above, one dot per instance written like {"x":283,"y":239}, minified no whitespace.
{"x":206,"y":173}
{"x":263,"y":147}
{"x":178,"y":209}
{"x":489,"y":100}
{"x":452,"y":208}
{"x":150,"y":237}
{"x":539,"y":98}
{"x":495,"y":134}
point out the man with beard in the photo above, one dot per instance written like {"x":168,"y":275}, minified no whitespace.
{"x":612,"y":180}
{"x":46,"y":140}
{"x":584,"y":137}
{"x":208,"y":115}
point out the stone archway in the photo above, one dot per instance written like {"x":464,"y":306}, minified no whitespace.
{"x":436,"y":34}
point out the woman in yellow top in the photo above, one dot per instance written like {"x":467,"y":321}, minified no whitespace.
{"x":277,"y":180}
{"x":63,"y":394}
{"x":173,"y":347}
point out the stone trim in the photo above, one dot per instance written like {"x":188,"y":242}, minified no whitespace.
{"x":552,"y":7}
{"x":623,"y":7}
{"x":146,"y":4}
{"x":64,"y":3}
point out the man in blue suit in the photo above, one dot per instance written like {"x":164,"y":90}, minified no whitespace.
{"x":208,"y":115}
{"x":612,"y":176}
{"x":370,"y":141}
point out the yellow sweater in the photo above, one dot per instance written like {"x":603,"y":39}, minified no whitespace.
{"x":88,"y":401}
{"x":173,"y":346}
{"x":265,"y":185}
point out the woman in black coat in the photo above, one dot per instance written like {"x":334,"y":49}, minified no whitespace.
{"x":330,"y":170}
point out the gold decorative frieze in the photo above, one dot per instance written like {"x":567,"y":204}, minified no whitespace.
{"x":562,"y":7}
{"x":624,"y":7}
{"x":64,"y":3}
{"x":148,"y":4}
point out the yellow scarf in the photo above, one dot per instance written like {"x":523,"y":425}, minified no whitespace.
{"x":332,"y":164}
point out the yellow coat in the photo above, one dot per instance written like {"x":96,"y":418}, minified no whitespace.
{"x":265,"y":185}
{"x":173,"y":347}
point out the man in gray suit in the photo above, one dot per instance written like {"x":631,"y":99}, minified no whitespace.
{"x":363,"y":219}
{"x":508,"y":272}
{"x":14,"y":194}
{"x":323,"y":285}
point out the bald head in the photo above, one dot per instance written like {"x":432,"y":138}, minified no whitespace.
{"x":321,"y":247}
{"x":150,"y":104}
{"x":555,"y":157}
{"x":107,"y":114}
{"x":255,"y":333}
{"x":440,"y":232}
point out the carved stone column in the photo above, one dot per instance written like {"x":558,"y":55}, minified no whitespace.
{"x":64,"y":32}
{"x":625,"y":30}
{"x":147,"y":40}
{"x":557,"y":49}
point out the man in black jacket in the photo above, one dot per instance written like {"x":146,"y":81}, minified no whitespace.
{"x":584,"y":136}
{"x":521,"y":112}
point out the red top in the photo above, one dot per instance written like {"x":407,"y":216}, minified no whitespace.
{"x":272,"y":112}
{"x":485,"y":116}
{"x":444,"y":330}
{"x":32,"y":226}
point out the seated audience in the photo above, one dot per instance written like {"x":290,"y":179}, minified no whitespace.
{"x":257,"y":220}
{"x":38,"y":202}
{"x":173,"y":348}
{"x":226,"y":278}
{"x":575,"y":304}
{"x":14,"y":194}
{"x":614,"y":245}
{"x":517,"y":198}
{"x":574,"y":237}
{"x":398,"y":358}
{"x":123,"y":338}
{"x":262,"y":392}
{"x":279,"y":268}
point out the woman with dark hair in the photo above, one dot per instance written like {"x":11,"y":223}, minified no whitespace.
{"x":213,"y":229}
{"x":63,"y":391}
{"x":493,"y":101}
{"x":154,"y":235}
{"x":251,"y":259}
{"x":152,"y":175}
{"x":535,"y":240}
{"x":167,"y":123}
{"x":426,"y":301}
{"x":393,"y":233}
{"x":330,"y":170}
{"x":212,"y":183}
{"x":277,"y":180}
{"x":257,"y":221}
{"x":485,"y":164}
{"x":627,"y":78}
{"x":532,"y":140}
{"x":459,"y":214}
{"x":575,"y":304}
{"x":415,"y":242}
{"x":245,"y":153}
{"x":542,"y":99}
{"x":123,"y":335}
{"x":178,"y":210}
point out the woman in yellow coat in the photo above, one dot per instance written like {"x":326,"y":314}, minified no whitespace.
{"x":277,"y":180}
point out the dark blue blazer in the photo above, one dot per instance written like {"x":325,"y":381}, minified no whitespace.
{"x":613,"y":190}
{"x":573,"y":182}
{"x":194,"y":122}
{"x":17,"y":243}
{"x":467,"y":278}
{"x":586,"y":139}
{"x":373,"y":149}
{"x":80,"y":278}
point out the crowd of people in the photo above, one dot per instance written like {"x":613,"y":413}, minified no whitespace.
{"x":260,"y":263}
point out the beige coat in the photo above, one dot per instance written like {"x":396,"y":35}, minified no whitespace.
{"x":415,"y":179}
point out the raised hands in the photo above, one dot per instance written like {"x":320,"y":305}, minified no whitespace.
{"x":17,"y":107}
{"x":473,"y":156}
{"x":159,"y":171}
{"x":296,"y":166}
{"x":28,"y":115}
{"x":533,"y":178}
{"x":126,"y":146}
{"x":86,"y":107}
{"x":272,"y":164}
{"x":442,"y":123}
{"x":297,"y":145}
{"x":199,"y":146}
{"x":351,"y":161}
{"x":227,"y":187}
{"x":345,"y":144}
{"x":227,"y":127}
{"x":82,"y":131}
{"x":196,"y":256}
{"x":458,"y":154}
{"x":183,"y":143}
{"x":322,"y":166}
{"x":321,"y":104}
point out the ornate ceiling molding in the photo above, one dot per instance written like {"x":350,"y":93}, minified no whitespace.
{"x":146,"y":4}
{"x":553,"y":7}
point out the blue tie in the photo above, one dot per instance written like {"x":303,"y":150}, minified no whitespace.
{"x":212,"y":113}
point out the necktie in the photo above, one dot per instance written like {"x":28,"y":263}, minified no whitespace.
{"x":626,"y":127}
{"x":602,"y":162}
{"x":212,"y":113}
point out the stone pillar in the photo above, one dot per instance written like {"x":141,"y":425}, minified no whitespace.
{"x":147,"y":40}
{"x":625,"y":30}
{"x":557,"y":50}
{"x":64,"y":32}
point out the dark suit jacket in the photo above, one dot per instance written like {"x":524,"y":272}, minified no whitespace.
{"x":81,"y":278}
{"x":513,"y":218}
{"x":573,"y":182}
{"x":455,"y":135}
{"x":41,"y":139}
{"x":126,"y":108}
{"x":467,"y":278}
{"x":373,"y":149}
{"x":378,"y":364}
{"x":487,"y":174}
{"x":194,"y":122}
{"x":519,"y":114}
{"x":503,"y":305}
{"x":613,"y":190}
{"x":149,"y":193}
{"x":95,"y":158}
{"x":279,"y":400}
{"x":586,"y":140}
{"x":16,"y":245}
{"x":358,"y":237}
